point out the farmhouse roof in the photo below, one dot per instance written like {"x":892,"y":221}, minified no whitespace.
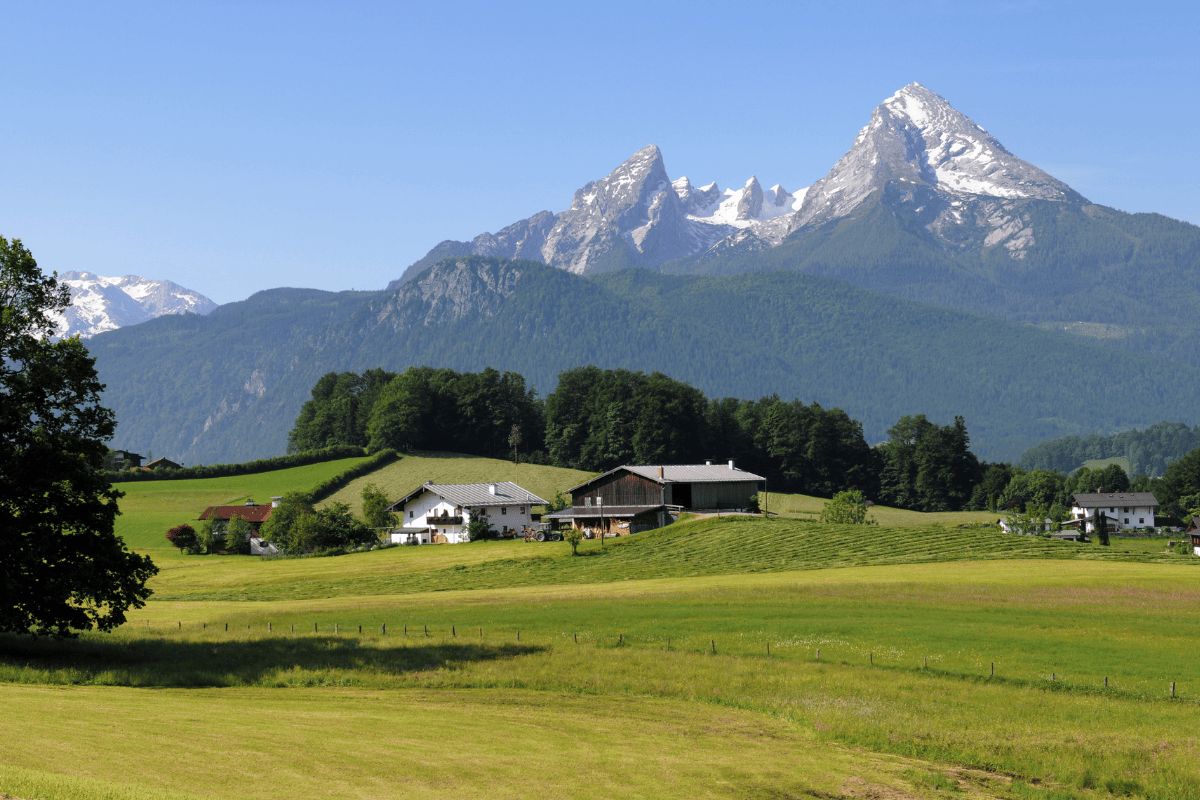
{"x":474,"y":494}
{"x":1110,"y":500}
{"x":249,"y":513}
{"x":683,"y":473}
{"x":165,"y":463}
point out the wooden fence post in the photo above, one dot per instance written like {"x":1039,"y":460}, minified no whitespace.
{"x":385,"y":628}
{"x":768,"y":649}
{"x":453,"y":632}
{"x":620,"y":638}
{"x":1172,"y":688}
{"x":818,"y":654}
{"x":577,"y":638}
{"x":227,"y":627}
{"x":268,"y":627}
{"x":314,"y":627}
{"x":518,"y":636}
{"x":713,"y":642}
{"x":993,"y":669}
{"x":335,"y":627}
{"x":180,"y":626}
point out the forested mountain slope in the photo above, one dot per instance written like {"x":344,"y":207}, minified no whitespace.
{"x":228,"y":386}
{"x":1129,"y":279}
{"x":1148,"y":451}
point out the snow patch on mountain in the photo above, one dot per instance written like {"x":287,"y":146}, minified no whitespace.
{"x":101,"y":303}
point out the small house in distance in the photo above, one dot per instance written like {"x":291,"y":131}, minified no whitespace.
{"x":1193,"y":534}
{"x":163,"y":463}
{"x":631,"y":499}
{"x":1124,"y":510}
{"x":119,"y":460}
{"x":254,"y":513}
{"x":439,"y":513}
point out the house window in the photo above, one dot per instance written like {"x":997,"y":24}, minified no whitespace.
{"x":1113,"y":510}
{"x":410,"y":515}
{"x":1141,"y":520}
{"x":1125,"y":509}
{"x":587,"y":501}
{"x":521,"y":510}
{"x":1127,"y":520}
{"x":503,"y":510}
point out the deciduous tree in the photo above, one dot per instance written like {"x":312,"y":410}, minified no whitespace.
{"x":62,"y":567}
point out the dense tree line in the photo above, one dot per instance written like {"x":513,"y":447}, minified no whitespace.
{"x":421,"y":408}
{"x":597,"y":419}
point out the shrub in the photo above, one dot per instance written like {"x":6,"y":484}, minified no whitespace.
{"x":847,"y":508}
{"x":184,"y":537}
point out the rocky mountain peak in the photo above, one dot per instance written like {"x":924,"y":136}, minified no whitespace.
{"x":751,"y":202}
{"x":100,"y":303}
{"x":916,"y":136}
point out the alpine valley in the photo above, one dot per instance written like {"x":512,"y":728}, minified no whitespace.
{"x":930,"y":271}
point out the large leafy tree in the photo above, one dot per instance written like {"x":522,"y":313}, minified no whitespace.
{"x":62,"y":568}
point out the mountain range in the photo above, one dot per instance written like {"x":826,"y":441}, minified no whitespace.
{"x":100,"y":303}
{"x":912,"y":278}
{"x":925,"y":204}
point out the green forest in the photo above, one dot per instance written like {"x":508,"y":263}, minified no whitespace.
{"x":227,"y":386}
{"x":1148,"y":452}
{"x":597,"y":419}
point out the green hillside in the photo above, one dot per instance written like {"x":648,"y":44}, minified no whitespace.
{"x":801,"y":336}
{"x":711,"y":546}
{"x":150,"y":508}
{"x":1129,"y":273}
{"x":401,"y":477}
{"x":1139,"y":452}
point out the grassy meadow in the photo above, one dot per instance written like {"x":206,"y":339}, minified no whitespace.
{"x":718,"y":657}
{"x":150,"y":508}
{"x":401,"y":477}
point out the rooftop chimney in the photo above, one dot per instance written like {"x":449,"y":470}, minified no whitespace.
{"x":275,"y":502}
{"x":731,"y":463}
{"x":491,"y":488}
{"x":708,"y":463}
{"x":660,"y":472}
{"x":249,"y":502}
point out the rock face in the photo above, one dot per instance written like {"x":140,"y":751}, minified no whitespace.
{"x":915,"y":147}
{"x":636,"y":216}
{"x":100,"y":303}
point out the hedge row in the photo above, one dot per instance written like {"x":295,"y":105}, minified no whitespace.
{"x":248,"y":468}
{"x":330,"y":486}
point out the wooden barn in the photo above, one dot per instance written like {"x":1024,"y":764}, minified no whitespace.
{"x":630,"y":499}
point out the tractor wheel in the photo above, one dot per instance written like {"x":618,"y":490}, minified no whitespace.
{"x":541,"y":537}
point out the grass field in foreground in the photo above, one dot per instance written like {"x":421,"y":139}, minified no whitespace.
{"x":1135,"y":623}
{"x":422,"y":743}
{"x":710,"y":546}
{"x":150,"y":508}
{"x":401,"y":477}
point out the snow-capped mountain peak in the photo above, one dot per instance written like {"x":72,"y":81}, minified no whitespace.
{"x":916,"y":146}
{"x":916,"y":137}
{"x":101,"y":303}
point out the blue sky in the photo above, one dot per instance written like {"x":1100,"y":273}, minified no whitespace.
{"x":238,"y":146}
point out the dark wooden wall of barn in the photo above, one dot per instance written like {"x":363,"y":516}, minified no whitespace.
{"x":712,"y":494}
{"x":620,"y":489}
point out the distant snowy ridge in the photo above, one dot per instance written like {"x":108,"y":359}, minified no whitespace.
{"x":100,"y":303}
{"x":915,"y":140}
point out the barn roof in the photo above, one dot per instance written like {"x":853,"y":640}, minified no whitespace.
{"x":258,"y":513}
{"x":683,"y":473}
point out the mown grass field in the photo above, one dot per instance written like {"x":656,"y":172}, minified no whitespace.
{"x":401,"y":477}
{"x":802,"y":506}
{"x":728,"y":657}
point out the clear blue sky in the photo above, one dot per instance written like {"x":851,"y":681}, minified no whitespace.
{"x":239,"y":146}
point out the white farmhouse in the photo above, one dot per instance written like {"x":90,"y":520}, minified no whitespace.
{"x":1125,"y":511}
{"x":441,"y":512}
